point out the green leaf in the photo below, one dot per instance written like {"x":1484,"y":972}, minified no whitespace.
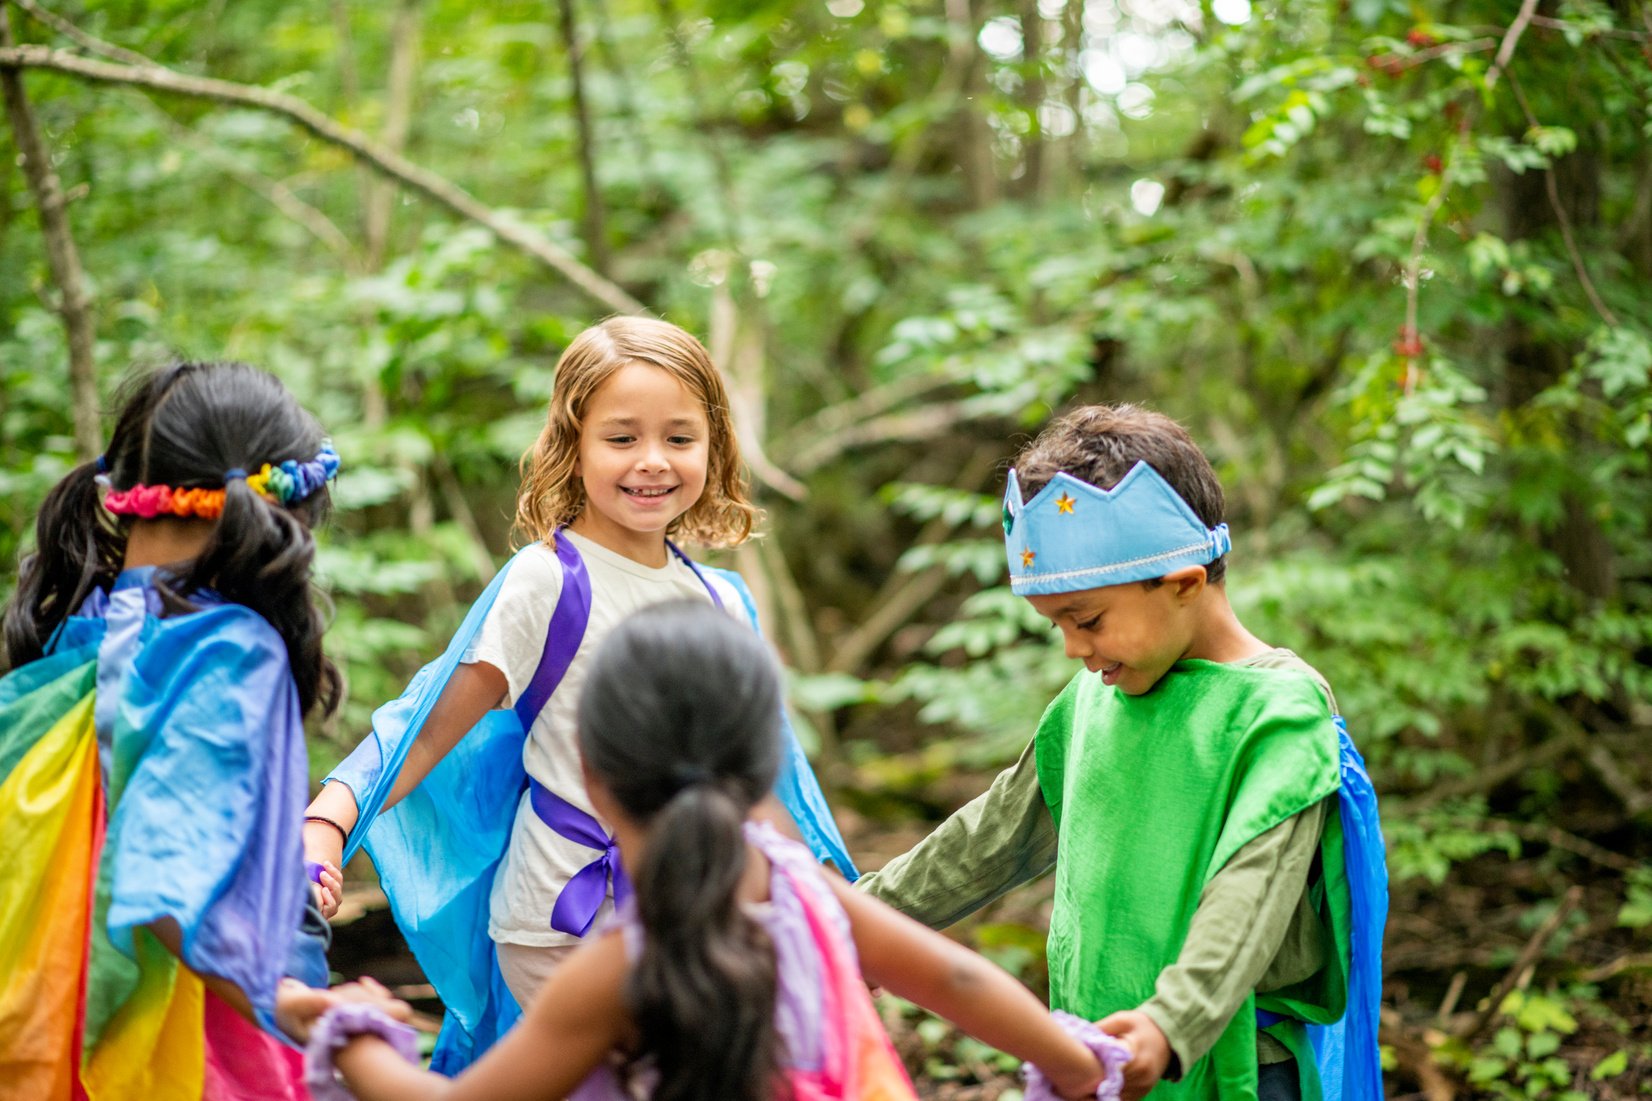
{"x":1610,"y":1067}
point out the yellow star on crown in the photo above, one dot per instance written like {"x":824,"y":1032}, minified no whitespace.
{"x":1027,"y":557}
{"x":1064,"y":505}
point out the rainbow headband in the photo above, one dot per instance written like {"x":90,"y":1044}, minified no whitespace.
{"x":1073,"y":536}
{"x":282,"y":483}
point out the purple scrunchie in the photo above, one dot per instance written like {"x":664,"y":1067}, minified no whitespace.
{"x":1112,"y":1053}
{"x":337,"y":1027}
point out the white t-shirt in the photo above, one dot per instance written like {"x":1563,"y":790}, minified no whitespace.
{"x":539,"y":862}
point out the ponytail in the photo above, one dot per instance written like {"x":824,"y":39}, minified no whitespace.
{"x":262,"y":555}
{"x":186,"y":426}
{"x":703,"y":993}
{"x":680,"y":721}
{"x":77,"y":548}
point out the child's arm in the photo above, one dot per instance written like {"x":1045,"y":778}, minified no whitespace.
{"x":1237,"y":932}
{"x":575,"y":1021}
{"x":998,"y":841}
{"x":981,"y":998}
{"x":474,"y":689}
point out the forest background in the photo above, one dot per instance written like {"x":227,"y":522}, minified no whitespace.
{"x":1389,"y":262}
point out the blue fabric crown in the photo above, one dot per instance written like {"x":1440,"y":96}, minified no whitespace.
{"x":1073,"y":536}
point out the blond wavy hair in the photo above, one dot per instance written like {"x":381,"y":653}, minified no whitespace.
{"x":552,"y":495}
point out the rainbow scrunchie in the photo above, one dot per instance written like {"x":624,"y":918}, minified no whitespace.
{"x":284,"y":483}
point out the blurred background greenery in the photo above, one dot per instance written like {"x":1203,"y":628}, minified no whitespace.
{"x":1388,"y":261}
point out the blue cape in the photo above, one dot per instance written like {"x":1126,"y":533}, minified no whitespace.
{"x":437,"y":849}
{"x":1349,"y":1066}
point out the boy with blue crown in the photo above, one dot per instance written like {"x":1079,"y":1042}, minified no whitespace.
{"x":1220,"y":891}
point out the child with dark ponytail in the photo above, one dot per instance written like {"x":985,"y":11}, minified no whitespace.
{"x":164,"y":645}
{"x":737,"y":969}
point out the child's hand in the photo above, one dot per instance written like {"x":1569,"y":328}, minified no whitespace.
{"x":329,"y":890}
{"x":324,"y":845}
{"x":1150,"y":1051}
{"x":298,"y":1007}
{"x":374,"y":993}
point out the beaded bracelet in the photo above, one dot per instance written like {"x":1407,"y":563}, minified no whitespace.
{"x":1111,"y":1052}
{"x":336,"y":1028}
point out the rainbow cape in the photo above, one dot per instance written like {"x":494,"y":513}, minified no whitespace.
{"x":150,"y":770}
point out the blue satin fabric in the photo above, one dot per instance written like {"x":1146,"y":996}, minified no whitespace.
{"x":798,"y":787}
{"x":206,"y":777}
{"x":1350,"y":1068}
{"x":437,"y":850}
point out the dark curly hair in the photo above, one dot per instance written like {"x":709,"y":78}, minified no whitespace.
{"x":1100,"y":443}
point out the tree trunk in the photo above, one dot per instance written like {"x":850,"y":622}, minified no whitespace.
{"x":1033,"y":90}
{"x":74,"y":304}
{"x":1534,"y":363}
{"x":380,"y":196}
{"x":596,"y":234}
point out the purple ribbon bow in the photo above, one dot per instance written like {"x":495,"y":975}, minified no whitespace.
{"x":576,"y":907}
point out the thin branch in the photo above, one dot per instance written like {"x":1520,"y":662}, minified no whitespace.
{"x":737,"y":347}
{"x":1413,"y":275}
{"x":903,"y":595}
{"x":1511,"y":38}
{"x":276,"y":193}
{"x":83,"y":38}
{"x":869,"y":403}
{"x":729,"y":208}
{"x":1610,"y":771}
{"x":398,"y":120}
{"x":1564,"y":219}
{"x":924,"y":423}
{"x":1556,"y":838}
{"x":1638,"y":961}
{"x":1528,"y":956}
{"x":1549,"y":23}
{"x":74,"y":304}
{"x":908,"y":157}
{"x":1446,"y":49}
{"x":437,"y":188}
{"x":453,"y":495}
{"x":596,"y":234}
{"x":1487,"y":779}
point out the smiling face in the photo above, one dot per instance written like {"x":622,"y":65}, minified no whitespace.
{"x":644,"y":447}
{"x":1130,"y":634}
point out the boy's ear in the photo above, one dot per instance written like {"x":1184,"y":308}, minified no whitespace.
{"x":1186,"y":583}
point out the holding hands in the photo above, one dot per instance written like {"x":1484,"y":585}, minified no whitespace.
{"x":1149,"y":1050}
{"x":299,"y":1007}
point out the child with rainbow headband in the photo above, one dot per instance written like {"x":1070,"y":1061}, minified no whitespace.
{"x":1220,"y":891}
{"x":468,"y":795}
{"x":165,"y":646}
{"x":734,"y":972}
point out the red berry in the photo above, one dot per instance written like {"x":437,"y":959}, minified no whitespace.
{"x":1420,"y":39}
{"x":1408,"y":345}
{"x":1434,"y":164}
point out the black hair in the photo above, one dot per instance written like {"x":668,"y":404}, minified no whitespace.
{"x":680,"y":720}
{"x":184,"y":426}
{"x":1099,"y":444}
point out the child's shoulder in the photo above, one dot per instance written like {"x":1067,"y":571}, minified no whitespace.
{"x":534,"y":569}
{"x":1270,"y":663}
{"x":730,"y":588}
{"x":216,"y":638}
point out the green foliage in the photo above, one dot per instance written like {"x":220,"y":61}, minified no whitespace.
{"x":1329,"y":239}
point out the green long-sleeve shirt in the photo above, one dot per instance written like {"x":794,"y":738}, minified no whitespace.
{"x":1254,"y":928}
